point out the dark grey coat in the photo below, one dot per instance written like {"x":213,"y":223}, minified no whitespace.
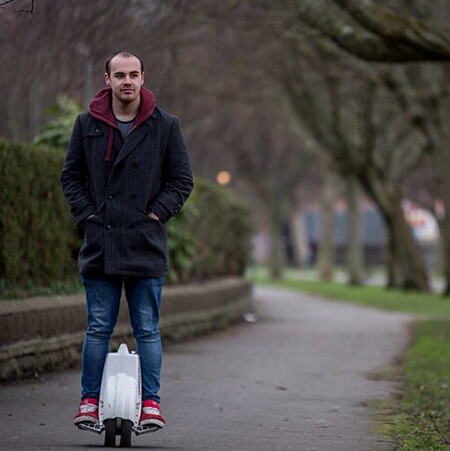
{"x":149,"y":172}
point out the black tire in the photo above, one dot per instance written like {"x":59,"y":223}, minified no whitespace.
{"x":110,"y":433}
{"x":125,"y":435}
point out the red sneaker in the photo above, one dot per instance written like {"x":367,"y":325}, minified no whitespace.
{"x":151,"y":414}
{"x":88,"y":412}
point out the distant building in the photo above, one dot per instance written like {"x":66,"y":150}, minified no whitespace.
{"x":422,"y":222}
{"x":374,"y":237}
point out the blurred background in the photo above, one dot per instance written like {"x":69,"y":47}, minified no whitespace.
{"x":337,"y":142}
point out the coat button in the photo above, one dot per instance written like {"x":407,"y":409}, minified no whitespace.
{"x":134,"y":165}
{"x":108,"y":227}
{"x":110,"y":197}
{"x":97,"y":130}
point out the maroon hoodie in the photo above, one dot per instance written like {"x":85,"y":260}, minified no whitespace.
{"x":100,"y":108}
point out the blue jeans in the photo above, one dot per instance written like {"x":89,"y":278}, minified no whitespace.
{"x":103,"y":301}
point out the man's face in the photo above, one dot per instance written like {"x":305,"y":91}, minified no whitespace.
{"x":125,"y":78}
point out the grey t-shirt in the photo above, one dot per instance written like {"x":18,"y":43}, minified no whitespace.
{"x":125,"y":126}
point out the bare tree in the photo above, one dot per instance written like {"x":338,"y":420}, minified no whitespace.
{"x":424,"y":97}
{"x":329,"y":99}
{"x":362,"y":134}
{"x":272,"y":162}
{"x":47,"y":53}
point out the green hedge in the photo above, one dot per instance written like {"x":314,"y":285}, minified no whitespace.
{"x":39,"y":241}
{"x":37,"y":236}
{"x":222,"y":232}
{"x":211,"y":237}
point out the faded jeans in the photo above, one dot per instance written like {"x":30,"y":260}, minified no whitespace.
{"x":103,"y":301}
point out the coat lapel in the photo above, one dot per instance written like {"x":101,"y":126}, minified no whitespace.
{"x":134,"y":138}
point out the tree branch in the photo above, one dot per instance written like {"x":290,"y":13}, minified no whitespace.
{"x":367,"y":42}
{"x":5,"y":2}
{"x":28,"y":11}
{"x":423,"y":35}
{"x":444,"y":437}
{"x":418,"y":118}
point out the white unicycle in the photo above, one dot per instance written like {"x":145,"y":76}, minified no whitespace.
{"x":120,"y":403}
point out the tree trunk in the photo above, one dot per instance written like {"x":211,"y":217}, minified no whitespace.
{"x":442,"y":161}
{"x":299,"y":238}
{"x":276,"y":242}
{"x":406,"y":268}
{"x":326,"y":246}
{"x":355,"y":258}
{"x":444,"y":249}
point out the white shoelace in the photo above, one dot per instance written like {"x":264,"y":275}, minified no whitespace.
{"x":86,"y":408}
{"x":151,"y":411}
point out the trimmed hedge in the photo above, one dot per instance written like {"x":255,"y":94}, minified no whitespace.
{"x":37,"y":236}
{"x":221,"y":233}
{"x":39,"y":241}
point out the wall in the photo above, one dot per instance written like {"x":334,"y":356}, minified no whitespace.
{"x":47,"y":333}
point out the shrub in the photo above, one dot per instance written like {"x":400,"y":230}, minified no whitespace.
{"x":221,"y":229}
{"x":57,"y":132}
{"x":37,"y":236}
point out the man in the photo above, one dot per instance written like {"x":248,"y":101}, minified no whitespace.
{"x":126,"y":173}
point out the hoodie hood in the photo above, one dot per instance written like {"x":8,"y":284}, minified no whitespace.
{"x":100,"y":108}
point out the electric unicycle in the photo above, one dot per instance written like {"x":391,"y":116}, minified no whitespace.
{"x":120,"y":403}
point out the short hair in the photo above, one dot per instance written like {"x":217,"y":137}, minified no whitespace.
{"x":125,"y":55}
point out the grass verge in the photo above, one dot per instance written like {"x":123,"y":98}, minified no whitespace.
{"x":422,"y":421}
{"x":421,"y":418}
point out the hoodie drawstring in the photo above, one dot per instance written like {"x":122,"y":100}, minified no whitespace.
{"x":110,"y":144}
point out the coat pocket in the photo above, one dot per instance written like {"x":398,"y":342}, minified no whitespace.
{"x":93,"y":243}
{"x":143,"y":246}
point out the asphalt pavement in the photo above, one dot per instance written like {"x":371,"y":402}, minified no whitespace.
{"x":300,"y":378}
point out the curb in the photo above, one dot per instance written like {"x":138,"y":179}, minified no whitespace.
{"x":47,"y":333}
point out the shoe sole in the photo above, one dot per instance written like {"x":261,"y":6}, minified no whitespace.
{"x":150,"y":423}
{"x":85,"y":419}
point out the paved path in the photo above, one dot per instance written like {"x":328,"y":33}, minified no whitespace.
{"x":295,"y":380}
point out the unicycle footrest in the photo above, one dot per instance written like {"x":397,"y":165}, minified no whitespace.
{"x":139,"y":430}
{"x":93,"y":427}
{"x":99,"y":428}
